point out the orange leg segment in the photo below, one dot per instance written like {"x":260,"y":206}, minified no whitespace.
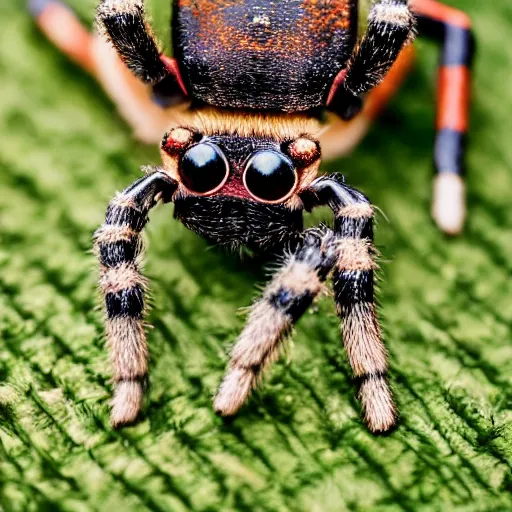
{"x":65,"y":31}
{"x":452,"y":28}
{"x":342,"y":136}
{"x":134,"y":99}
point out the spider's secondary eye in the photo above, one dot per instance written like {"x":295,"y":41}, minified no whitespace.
{"x":204,"y":168}
{"x":270,"y":176}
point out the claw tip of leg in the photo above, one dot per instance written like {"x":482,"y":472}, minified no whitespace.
{"x":379,"y":408}
{"x":234,"y":391}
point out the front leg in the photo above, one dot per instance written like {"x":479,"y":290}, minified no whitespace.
{"x":271,"y":319}
{"x":390,"y":28}
{"x":124,"y":24}
{"x":353,"y":279}
{"x":118,"y":246}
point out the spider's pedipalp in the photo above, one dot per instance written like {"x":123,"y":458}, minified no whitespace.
{"x":119,"y":247}
{"x":271,"y":318}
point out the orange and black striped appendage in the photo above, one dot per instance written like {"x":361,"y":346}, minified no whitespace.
{"x":452,"y":28}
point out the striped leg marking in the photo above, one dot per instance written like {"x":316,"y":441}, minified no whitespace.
{"x":452,"y":28}
{"x":353,"y":280}
{"x":119,"y":247}
{"x":354,"y":293}
{"x":271,"y":319}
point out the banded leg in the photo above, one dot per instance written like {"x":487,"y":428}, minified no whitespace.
{"x":390,"y":28}
{"x":144,"y":107}
{"x":452,"y":28}
{"x":118,"y":246}
{"x":271,"y":319}
{"x":353,"y":280}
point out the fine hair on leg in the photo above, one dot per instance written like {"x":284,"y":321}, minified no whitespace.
{"x":272,"y":317}
{"x":124,"y":23}
{"x":353,"y":279}
{"x":390,"y":27}
{"x":118,"y":246}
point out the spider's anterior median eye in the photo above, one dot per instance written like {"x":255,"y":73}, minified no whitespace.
{"x":204,"y":168}
{"x":270,"y":176}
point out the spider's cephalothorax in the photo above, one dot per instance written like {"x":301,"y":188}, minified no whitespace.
{"x":240,"y":106}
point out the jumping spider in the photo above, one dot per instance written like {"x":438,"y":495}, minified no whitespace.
{"x":241,"y":105}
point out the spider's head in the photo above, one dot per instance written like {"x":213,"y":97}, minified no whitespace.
{"x":267,"y":158}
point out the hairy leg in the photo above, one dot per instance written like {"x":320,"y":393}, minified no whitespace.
{"x":134,"y":99}
{"x":452,"y":29}
{"x":271,"y":318}
{"x":118,"y":246}
{"x":347,"y":252}
{"x":390,"y":28}
{"x":353,"y":279}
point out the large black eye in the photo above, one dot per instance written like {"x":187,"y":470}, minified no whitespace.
{"x":270,"y":176}
{"x":203,"y":168}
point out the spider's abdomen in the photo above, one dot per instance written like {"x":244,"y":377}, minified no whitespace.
{"x":263,"y":54}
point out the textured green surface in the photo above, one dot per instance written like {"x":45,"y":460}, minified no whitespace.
{"x":299,"y":444}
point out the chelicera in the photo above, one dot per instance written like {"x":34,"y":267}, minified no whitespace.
{"x":242,"y":105}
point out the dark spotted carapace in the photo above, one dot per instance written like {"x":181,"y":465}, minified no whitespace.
{"x":256,"y":54}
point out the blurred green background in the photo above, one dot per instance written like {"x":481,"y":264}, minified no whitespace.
{"x":300,"y":443}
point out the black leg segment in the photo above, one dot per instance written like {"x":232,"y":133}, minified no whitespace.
{"x":390,"y":28}
{"x":452,"y":29}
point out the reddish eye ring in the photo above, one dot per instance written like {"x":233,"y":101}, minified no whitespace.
{"x":270,"y":177}
{"x":203,"y":169}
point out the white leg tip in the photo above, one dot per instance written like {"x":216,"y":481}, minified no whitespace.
{"x":127,"y":403}
{"x":234,"y":391}
{"x":377,"y":401}
{"x":449,"y":203}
